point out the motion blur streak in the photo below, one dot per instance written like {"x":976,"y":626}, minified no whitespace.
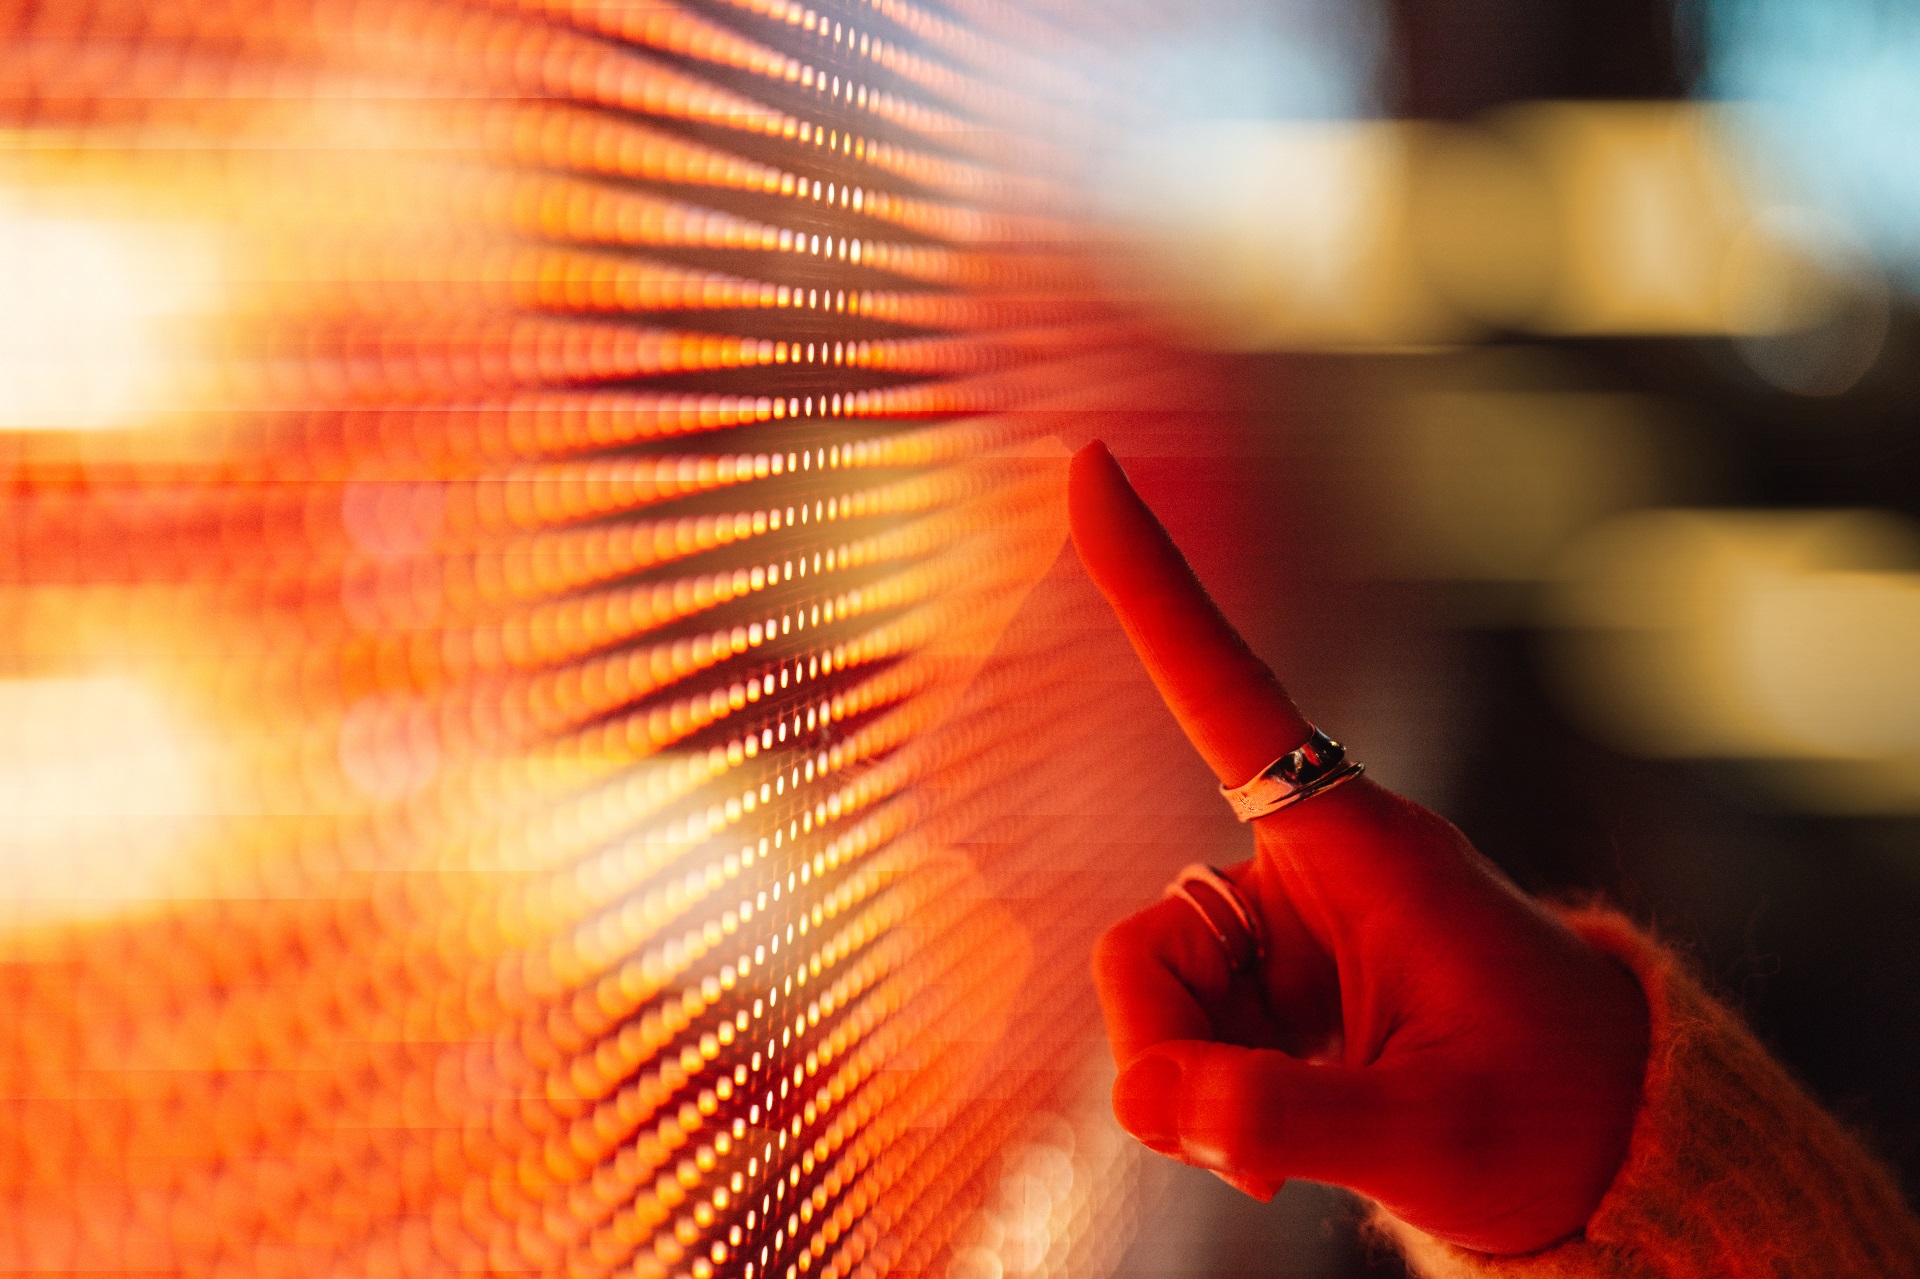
{"x":528,"y":737}
{"x":1753,"y":634}
{"x":1552,"y":218}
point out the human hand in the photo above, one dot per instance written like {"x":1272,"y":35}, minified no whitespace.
{"x":1420,"y":1030}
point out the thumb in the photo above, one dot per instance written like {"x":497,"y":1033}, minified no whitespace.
{"x":1258,"y":1116}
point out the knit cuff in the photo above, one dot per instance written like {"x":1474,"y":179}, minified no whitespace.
{"x":1731,"y":1170}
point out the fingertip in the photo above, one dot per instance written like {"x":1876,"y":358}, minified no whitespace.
{"x":1094,"y":480}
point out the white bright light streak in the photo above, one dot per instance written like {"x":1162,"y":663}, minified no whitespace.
{"x":91,"y":315}
{"x":100,"y":786}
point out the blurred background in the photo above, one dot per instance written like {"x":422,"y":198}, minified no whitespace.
{"x":1572,"y":472}
{"x":1532,"y":381}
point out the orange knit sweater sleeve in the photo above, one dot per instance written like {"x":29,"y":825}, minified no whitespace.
{"x":1731,"y":1171}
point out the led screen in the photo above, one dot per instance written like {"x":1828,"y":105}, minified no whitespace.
{"x":544,"y":723}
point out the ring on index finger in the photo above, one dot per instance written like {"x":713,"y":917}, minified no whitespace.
{"x":1319,"y":765}
{"x":1233,"y":923}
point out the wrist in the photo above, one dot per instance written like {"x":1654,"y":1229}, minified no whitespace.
{"x":1730,"y":1169}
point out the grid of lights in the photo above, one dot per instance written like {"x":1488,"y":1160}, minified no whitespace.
{"x":565,"y":508}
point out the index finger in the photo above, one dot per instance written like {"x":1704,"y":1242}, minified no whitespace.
{"x":1235,"y":712}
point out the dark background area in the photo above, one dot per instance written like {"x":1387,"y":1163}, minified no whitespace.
{"x":1805,"y":923}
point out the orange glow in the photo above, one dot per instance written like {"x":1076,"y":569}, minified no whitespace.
{"x":534,"y":741}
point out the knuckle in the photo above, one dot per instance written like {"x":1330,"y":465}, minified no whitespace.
{"x":1138,"y":932}
{"x":1120,"y":946}
{"x":1108,"y":948}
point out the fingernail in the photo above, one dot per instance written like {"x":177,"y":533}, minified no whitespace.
{"x":1146,"y":1101}
{"x":1251,"y":1186}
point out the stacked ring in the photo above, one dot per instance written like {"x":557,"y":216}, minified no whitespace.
{"x":1233,"y":923}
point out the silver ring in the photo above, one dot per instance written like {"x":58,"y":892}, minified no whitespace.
{"x":1319,"y":765}
{"x":1234,"y":924}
